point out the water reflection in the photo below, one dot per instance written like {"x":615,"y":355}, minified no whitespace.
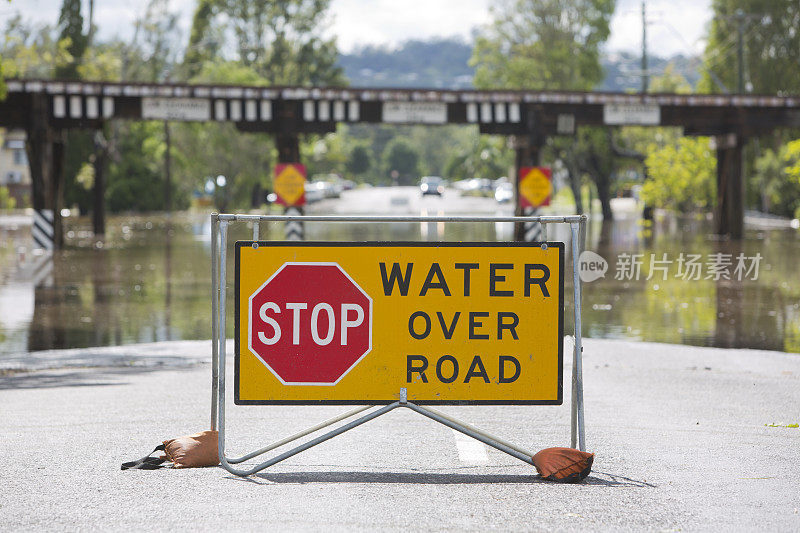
{"x":150,"y":281}
{"x":726,"y":313}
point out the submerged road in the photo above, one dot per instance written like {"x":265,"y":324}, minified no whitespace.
{"x":408,"y":200}
{"x":686,"y":439}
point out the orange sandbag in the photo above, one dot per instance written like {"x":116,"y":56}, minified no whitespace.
{"x":192,"y":451}
{"x":565,"y":465}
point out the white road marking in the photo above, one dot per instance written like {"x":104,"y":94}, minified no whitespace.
{"x":469,"y":449}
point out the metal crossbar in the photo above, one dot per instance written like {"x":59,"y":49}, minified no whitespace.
{"x":219,"y":236}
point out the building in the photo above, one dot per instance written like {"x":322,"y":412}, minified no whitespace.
{"x":14,"y":171}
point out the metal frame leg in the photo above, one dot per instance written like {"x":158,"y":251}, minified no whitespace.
{"x":578,"y":438}
{"x":299,"y":435}
{"x":214,"y":318}
{"x":473,"y":432}
{"x":294,"y":451}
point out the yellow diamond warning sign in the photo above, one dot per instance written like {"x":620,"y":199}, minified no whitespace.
{"x":535,"y":186}
{"x":452,"y":323}
{"x":290,"y":184}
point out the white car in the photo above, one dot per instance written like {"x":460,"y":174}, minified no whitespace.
{"x":431,"y":185}
{"x":504,"y":193}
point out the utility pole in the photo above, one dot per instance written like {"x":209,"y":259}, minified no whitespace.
{"x":740,"y":18}
{"x":645,"y":75}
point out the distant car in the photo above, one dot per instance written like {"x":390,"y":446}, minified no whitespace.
{"x":313,"y":193}
{"x":431,"y":185}
{"x":504,"y":193}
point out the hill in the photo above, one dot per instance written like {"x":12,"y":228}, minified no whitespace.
{"x":443,"y":63}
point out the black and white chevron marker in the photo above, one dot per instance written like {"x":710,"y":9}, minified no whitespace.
{"x":294,"y":228}
{"x":42,"y":229}
{"x":41,"y":270}
{"x":532,"y":231}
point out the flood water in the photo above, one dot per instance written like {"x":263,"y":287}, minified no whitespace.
{"x":149,"y":280}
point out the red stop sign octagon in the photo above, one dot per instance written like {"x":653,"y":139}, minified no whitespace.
{"x":310,"y":323}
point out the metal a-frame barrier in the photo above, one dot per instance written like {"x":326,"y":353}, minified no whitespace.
{"x":219,"y":235}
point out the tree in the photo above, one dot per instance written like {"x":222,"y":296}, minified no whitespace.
{"x":770,"y":55}
{"x":278,"y":39}
{"x":359,"y":160}
{"x":3,"y":88}
{"x":670,"y":81}
{"x":326,"y":154}
{"x":136,"y":180}
{"x":70,"y":26}
{"x":401,"y":161}
{"x":543,"y":44}
{"x":553,"y":45}
{"x":778,"y":175}
{"x":485,"y":157}
{"x":31,"y":52}
{"x":201,"y":47}
{"x":771,"y":45}
{"x":152,"y":54}
{"x":210,"y":149}
{"x":683,"y":175}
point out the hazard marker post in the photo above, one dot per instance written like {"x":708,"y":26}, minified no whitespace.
{"x":535,"y":191}
{"x":290,"y":188}
{"x":384,"y":325}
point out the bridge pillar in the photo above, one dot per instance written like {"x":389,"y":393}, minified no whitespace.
{"x":729,"y":215}
{"x":99,"y":196}
{"x":45,"y":146}
{"x":288,"y":146}
{"x":527,"y":149}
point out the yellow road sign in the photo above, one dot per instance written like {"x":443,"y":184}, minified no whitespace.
{"x":289,"y":184}
{"x":452,"y":323}
{"x":535,"y":186}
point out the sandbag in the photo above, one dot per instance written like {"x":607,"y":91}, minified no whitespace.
{"x":564,"y":465}
{"x":193,"y":451}
{"x":188,"y":451}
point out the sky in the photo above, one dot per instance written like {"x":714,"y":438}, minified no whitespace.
{"x":674,"y":26}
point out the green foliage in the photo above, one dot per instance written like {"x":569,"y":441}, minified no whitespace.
{"x":778,"y":177}
{"x":543,"y":44}
{"x":682,"y":175}
{"x":77,"y":159}
{"x":6,"y":201}
{"x":791,"y":157}
{"x":359,"y":160}
{"x":203,"y":150}
{"x":70,"y":25}
{"x":103,"y":61}
{"x":228,"y":72}
{"x":670,"y":81}
{"x":771,"y":46}
{"x":485,"y":157}
{"x":152,"y":54}
{"x":31,"y":52}
{"x":400,"y":159}
{"x":555,"y":45}
{"x":85,"y":176}
{"x":3,"y":88}
{"x":325,"y":154}
{"x":135,"y":178}
{"x":278,"y":39}
{"x":202,"y":46}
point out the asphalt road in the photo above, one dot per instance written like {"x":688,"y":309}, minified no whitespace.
{"x":681,"y":436}
{"x":408,"y":200}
